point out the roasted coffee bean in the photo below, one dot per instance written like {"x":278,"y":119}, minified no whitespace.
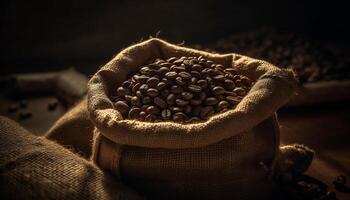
{"x":135,"y":101}
{"x":126,"y":84}
{"x":163,"y":70}
{"x":150,"y":118}
{"x":171,"y":75}
{"x":134,"y":113}
{"x":152,"y":82}
{"x":185,"y":75}
{"x":52,"y":105}
{"x":194,"y":88}
{"x":184,"y":89}
{"x":152,"y":110}
{"x":222,"y":105}
{"x":240,"y":91}
{"x":142,"y":115}
{"x":25,"y":115}
{"x":196,"y":102}
{"x":152,"y":92}
{"x":218,"y":90}
{"x":122,"y":107}
{"x":160,"y":102}
{"x":211,"y":101}
{"x":229,"y":84}
{"x":180,"y":81}
{"x":172,"y":59}
{"x":176,"y":89}
{"x":164,"y":93}
{"x":122,"y":91}
{"x":181,"y":102}
{"x":146,"y":100}
{"x":180,"y":117}
{"x":143,"y":88}
{"x":206,"y":112}
{"x":166,"y":114}
{"x":233,"y":100}
{"x":186,"y":95}
{"x":12,"y":108}
{"x":202,"y":83}
{"x":171,"y":99}
{"x":161,"y":86}
{"x":187,"y":109}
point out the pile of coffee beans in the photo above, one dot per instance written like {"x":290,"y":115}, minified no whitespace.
{"x":182,"y":90}
{"x":312,"y":60}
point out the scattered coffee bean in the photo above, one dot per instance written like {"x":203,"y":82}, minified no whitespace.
{"x":12,"y":108}
{"x":183,"y":90}
{"x":23,"y":115}
{"x":52,"y":105}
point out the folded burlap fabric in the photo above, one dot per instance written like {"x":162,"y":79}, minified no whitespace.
{"x":219,"y":158}
{"x":35,"y":168}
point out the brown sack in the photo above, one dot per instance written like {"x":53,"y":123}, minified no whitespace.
{"x":35,"y":168}
{"x":215,"y":159}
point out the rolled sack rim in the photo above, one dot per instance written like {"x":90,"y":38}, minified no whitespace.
{"x":277,"y":85}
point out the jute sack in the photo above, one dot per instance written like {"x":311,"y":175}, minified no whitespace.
{"x":35,"y":168}
{"x":215,"y":159}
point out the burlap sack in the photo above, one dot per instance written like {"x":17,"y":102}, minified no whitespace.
{"x":74,"y":130}
{"x":35,"y":168}
{"x":219,"y":158}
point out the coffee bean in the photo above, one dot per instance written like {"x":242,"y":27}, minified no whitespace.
{"x":146,"y":100}
{"x":180,"y":117}
{"x":222,"y":105}
{"x":23,"y":115}
{"x":161,"y":86}
{"x":164,"y":93}
{"x":134,"y":89}
{"x":163,"y":70}
{"x":206,"y":112}
{"x":240,"y":91}
{"x":166,"y":114}
{"x":172,"y":59}
{"x":233,"y":100}
{"x":122,"y":91}
{"x":152,"y":92}
{"x":218,"y":90}
{"x":160,"y":102}
{"x":202,"y":83}
{"x":126,"y":84}
{"x":171,"y":75}
{"x":196,"y":102}
{"x":152,"y":82}
{"x":187,"y":109}
{"x":179,"y":81}
{"x":134,"y":113}
{"x":175,"y":109}
{"x":197,"y":67}
{"x":152,"y":110}
{"x":141,"y":79}
{"x":143,"y":88}
{"x":122,"y":107}
{"x":181,"y":102}
{"x":194,"y":88}
{"x":12,"y":108}
{"x":150,"y":118}
{"x":176,"y":89}
{"x":211,"y":101}
{"x":186,"y":95}
{"x":135,"y":101}
{"x":229,"y":84}
{"x":142,"y":115}
{"x":185,"y":75}
{"x":171,"y":99}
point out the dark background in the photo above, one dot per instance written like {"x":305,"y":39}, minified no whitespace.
{"x":50,"y":35}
